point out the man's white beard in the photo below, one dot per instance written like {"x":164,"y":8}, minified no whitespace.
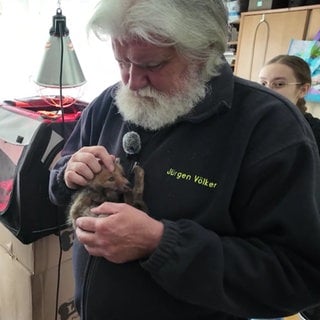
{"x":153,"y":110}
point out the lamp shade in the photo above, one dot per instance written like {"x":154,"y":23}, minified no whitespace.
{"x":60,"y":66}
{"x":49,"y":73}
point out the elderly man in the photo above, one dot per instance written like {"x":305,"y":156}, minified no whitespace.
{"x":232,"y":178}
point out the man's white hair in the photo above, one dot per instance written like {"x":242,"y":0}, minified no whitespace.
{"x":198,"y":29}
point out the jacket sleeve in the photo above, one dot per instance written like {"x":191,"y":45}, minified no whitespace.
{"x":59,"y":193}
{"x":86,"y":133}
{"x":270,"y":265}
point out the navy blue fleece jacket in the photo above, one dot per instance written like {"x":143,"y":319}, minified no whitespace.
{"x":237,"y":185}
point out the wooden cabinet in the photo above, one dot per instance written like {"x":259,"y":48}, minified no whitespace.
{"x":265,"y":34}
{"x":314,"y":23}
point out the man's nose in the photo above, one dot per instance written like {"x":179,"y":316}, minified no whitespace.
{"x":138,"y":78}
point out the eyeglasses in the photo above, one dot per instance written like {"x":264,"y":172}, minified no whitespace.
{"x":278,"y":84}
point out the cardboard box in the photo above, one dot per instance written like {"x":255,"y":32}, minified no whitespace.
{"x":29,"y":274}
{"x":16,"y":293}
{"x":266,"y":4}
{"x":44,"y":288}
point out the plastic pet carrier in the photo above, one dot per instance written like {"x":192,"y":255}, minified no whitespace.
{"x":32,"y":134}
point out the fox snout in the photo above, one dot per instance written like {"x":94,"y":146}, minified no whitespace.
{"x":124,"y":185}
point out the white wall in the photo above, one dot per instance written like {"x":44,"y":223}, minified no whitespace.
{"x":24,"y":30}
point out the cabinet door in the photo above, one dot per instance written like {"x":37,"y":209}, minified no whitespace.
{"x":265,"y":35}
{"x":314,"y":24}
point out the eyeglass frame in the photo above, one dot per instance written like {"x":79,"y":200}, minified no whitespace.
{"x":271,"y":84}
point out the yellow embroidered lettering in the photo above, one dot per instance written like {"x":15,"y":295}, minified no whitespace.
{"x":196,"y":179}
{"x":171,"y":172}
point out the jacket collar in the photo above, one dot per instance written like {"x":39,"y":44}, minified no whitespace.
{"x":218,"y":98}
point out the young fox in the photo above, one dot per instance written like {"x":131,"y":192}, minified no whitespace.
{"x":108,"y":186}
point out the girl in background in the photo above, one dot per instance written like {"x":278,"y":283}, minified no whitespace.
{"x":290,"y":76}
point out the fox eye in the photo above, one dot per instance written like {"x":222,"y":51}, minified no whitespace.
{"x":111,"y":179}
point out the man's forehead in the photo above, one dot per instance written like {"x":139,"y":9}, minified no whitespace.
{"x":139,"y":48}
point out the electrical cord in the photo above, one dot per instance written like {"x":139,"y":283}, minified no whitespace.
{"x":63,"y":135}
{"x":58,"y":276}
{"x":60,"y":80}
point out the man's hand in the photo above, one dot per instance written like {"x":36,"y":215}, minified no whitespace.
{"x":122,"y":233}
{"x":85,"y":163}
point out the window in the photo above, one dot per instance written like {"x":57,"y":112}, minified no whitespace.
{"x":24,"y":30}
